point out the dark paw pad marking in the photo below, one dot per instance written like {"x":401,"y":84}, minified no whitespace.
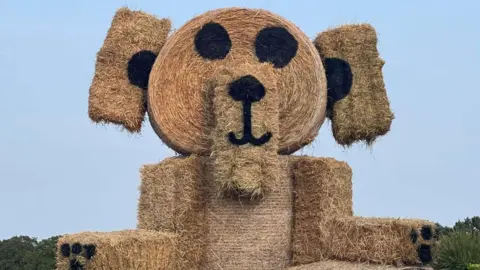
{"x":414,"y":236}
{"x":89,"y":251}
{"x":75,"y":265}
{"x":425,"y":253}
{"x":426,"y":232}
{"x":422,"y":239}
{"x":65,"y":249}
{"x":76,"y":248}
{"x":75,"y":251}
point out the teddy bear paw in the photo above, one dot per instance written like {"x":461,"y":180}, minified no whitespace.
{"x":423,"y":239}
{"x":79,"y":255}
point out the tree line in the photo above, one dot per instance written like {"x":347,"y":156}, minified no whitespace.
{"x":28,"y":253}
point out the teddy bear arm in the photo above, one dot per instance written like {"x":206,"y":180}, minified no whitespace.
{"x":172,"y":199}
{"x":389,"y":241}
{"x":325,"y":227}
{"x":116,"y":250}
{"x":322,"y":190}
{"x":169,"y":229}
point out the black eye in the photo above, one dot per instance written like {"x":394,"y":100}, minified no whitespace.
{"x":275,"y":45}
{"x":212,"y":41}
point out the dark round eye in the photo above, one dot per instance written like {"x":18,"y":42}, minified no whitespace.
{"x":275,"y":45}
{"x":212,"y":41}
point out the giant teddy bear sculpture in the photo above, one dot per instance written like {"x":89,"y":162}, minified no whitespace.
{"x":235,"y":91}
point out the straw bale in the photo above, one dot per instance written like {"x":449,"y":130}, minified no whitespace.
{"x":339,"y":265}
{"x":172,"y":200}
{"x":113,"y":99}
{"x":323,"y":189}
{"x":245,"y":173}
{"x":377,"y":240}
{"x":179,"y":100}
{"x":178,"y":195}
{"x":244,"y":170}
{"x":250,"y":234}
{"x":128,"y":249}
{"x":364,"y":114}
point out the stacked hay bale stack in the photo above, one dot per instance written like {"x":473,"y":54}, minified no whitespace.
{"x":236,"y":198}
{"x":117,"y":250}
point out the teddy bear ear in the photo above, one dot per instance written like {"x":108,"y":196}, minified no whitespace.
{"x":122,"y":69}
{"x":357,"y":99}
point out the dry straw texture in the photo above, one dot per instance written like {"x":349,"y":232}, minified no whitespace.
{"x":179,"y":98}
{"x":323,"y":189}
{"x":239,"y":234}
{"x":129,"y":249}
{"x":250,"y":234}
{"x":338,"y":265}
{"x":183,"y":223}
{"x":365,"y":113}
{"x":172,"y":199}
{"x":324,"y":225}
{"x":178,"y":197}
{"x":244,"y":170}
{"x":376,"y":240}
{"x":112,"y":98}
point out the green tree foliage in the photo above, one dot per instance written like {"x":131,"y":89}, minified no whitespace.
{"x":473,"y":266}
{"x":469,"y":224}
{"x":26,"y":253}
{"x":459,"y":250}
{"x":443,"y":230}
{"x":459,"y":247}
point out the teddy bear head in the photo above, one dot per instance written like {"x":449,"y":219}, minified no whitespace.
{"x":244,"y":77}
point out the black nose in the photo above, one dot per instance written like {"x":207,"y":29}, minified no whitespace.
{"x":247,"y":88}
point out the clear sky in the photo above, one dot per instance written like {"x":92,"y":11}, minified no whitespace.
{"x":60,"y":173}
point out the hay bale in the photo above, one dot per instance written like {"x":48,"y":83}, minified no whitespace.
{"x":178,"y":195}
{"x":250,"y":234}
{"x":128,"y":249}
{"x":113,"y":98}
{"x":376,"y":240}
{"x":324,"y":226}
{"x":245,"y":173}
{"x":178,"y":96}
{"x":339,"y":265}
{"x":241,"y":168}
{"x":323,"y":189}
{"x":364,"y":114}
{"x":172,"y":199}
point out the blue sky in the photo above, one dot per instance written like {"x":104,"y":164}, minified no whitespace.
{"x":60,"y":173}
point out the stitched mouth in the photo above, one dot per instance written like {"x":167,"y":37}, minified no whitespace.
{"x":247,"y":136}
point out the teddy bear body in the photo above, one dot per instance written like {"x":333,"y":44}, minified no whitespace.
{"x":218,"y":233}
{"x":307,"y":219}
{"x":295,"y":224}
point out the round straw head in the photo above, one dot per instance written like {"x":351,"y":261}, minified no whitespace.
{"x":180,"y":95}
